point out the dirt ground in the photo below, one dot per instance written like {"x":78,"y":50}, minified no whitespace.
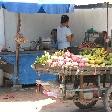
{"x":30,"y":94}
{"x":20,"y":94}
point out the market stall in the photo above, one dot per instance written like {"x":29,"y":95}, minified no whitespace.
{"x":28,"y":7}
{"x":89,"y":70}
{"x":77,"y":65}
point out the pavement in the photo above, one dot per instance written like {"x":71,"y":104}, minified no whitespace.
{"x":69,"y":106}
{"x":29,"y":96}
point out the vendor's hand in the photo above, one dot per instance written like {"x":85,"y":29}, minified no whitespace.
{"x":72,"y":37}
{"x":67,"y":26}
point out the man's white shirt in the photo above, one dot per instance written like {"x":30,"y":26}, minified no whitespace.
{"x":62,"y":33}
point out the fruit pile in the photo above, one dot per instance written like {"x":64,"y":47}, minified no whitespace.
{"x":61,"y":59}
{"x":108,"y":60}
{"x":43,"y":59}
{"x":97,"y":57}
{"x":87,"y":45}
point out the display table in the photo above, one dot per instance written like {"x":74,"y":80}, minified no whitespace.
{"x":86,"y":93}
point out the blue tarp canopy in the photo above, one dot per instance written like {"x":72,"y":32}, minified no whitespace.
{"x":25,"y":7}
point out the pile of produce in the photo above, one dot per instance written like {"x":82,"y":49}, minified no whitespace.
{"x":61,"y":59}
{"x":97,"y":57}
{"x":84,"y":45}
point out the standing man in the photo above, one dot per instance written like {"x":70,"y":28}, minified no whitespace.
{"x":64,"y":35}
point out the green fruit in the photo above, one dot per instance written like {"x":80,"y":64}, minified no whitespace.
{"x":110,"y":54}
{"x":110,"y":59}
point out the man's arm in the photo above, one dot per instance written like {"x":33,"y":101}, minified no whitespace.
{"x":70,"y":38}
{"x":69,"y":35}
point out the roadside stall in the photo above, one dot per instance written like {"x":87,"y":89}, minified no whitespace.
{"x":23,"y":73}
{"x":93,"y":64}
{"x":89,"y":71}
{"x":20,"y":8}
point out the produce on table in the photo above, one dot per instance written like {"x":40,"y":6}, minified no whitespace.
{"x":61,"y":59}
{"x":96,"y":57}
{"x":43,"y":59}
{"x":108,"y":60}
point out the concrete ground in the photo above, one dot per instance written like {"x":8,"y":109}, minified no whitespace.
{"x":30,"y":94}
{"x":68,"y":106}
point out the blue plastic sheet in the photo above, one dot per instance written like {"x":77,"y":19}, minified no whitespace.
{"x":56,"y":9}
{"x":20,"y":7}
{"x":0,"y":4}
{"x":26,"y":74}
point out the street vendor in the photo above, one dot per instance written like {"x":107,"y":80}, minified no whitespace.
{"x":64,"y":34}
{"x":103,"y":40}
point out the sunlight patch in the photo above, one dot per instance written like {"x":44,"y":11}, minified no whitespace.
{"x":28,"y":106}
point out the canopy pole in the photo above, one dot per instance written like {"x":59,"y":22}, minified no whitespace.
{"x":106,"y":41}
{"x":107,"y":24}
{"x":107,"y":17}
{"x":17,"y":47}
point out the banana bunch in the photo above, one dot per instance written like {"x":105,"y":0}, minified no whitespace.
{"x":100,"y":52}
